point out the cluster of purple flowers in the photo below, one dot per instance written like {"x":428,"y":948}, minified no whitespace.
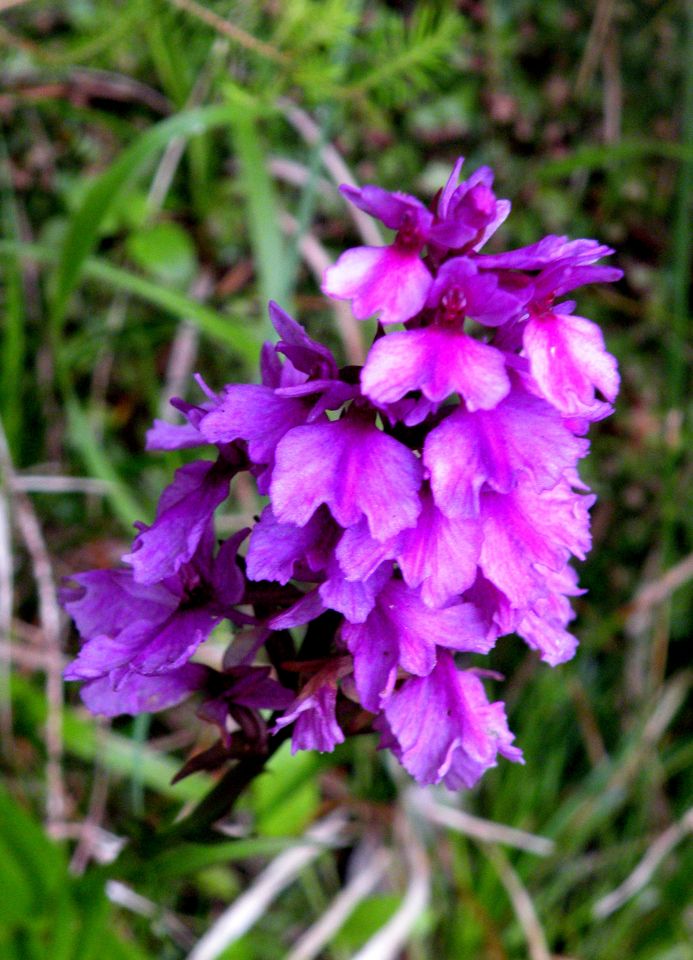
{"x":419,"y":507}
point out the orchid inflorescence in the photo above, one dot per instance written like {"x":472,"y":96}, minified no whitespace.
{"x":419,"y":507}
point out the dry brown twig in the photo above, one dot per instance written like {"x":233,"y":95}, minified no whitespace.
{"x":336,"y":913}
{"x":251,"y":905}
{"x":387,"y":943}
{"x":644,"y":871}
{"x":319,"y":260}
{"x":597,"y":38}
{"x":486,"y":831}
{"x":49,"y":616}
{"x":9,"y":4}
{"x":522,"y":904}
{"x":6,"y":605}
{"x":230,"y":30}
{"x":334,"y":164}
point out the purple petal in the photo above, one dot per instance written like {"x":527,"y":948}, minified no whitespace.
{"x":446,"y":728}
{"x":227,"y":579}
{"x":439,"y":554}
{"x":359,"y":555}
{"x":316,"y":726}
{"x":561,"y":277}
{"x":448,"y":190}
{"x":140,"y":694}
{"x":470,"y":450}
{"x":477,"y":295}
{"x":568,"y":360}
{"x":174,"y":644}
{"x":308,"y":608}
{"x":108,"y":601}
{"x":524,"y":528}
{"x":254,"y":687}
{"x":543,"y":627}
{"x":351,"y":466}
{"x":184,"y":514}
{"x":306,"y":354}
{"x":256,"y":414}
{"x":438,"y":362}
{"x":390,"y":208}
{"x":402,"y":631}
{"x":353,"y":598}
{"x":546,"y":252}
{"x":389,"y":281}
{"x":173,"y":436}
{"x":275,"y":548}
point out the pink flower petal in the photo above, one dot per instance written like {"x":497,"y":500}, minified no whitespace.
{"x":389,"y":281}
{"x":354,"y":468}
{"x":439,"y":362}
{"x":568,"y":360}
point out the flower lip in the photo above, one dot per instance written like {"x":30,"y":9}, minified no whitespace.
{"x":452,"y":308}
{"x":412,"y":234}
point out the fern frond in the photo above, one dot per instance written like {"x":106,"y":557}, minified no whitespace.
{"x":409,"y":57}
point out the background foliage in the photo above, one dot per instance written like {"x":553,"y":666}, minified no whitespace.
{"x":165,"y":168}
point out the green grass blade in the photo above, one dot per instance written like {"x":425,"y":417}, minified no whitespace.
{"x":12,"y":343}
{"x":81,"y":436}
{"x":244,"y":341}
{"x":596,"y":157}
{"x":103,"y":195}
{"x":262,"y":211}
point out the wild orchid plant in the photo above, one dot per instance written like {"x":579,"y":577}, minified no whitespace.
{"x":419,"y":507}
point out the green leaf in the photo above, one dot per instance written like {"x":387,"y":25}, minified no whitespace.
{"x":286,"y":795}
{"x":164,"y":250}
{"x":106,"y":192}
{"x":244,"y":342}
{"x":262,"y":209}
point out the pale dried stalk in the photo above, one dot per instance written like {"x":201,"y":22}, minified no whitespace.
{"x":9,"y":4}
{"x":644,"y":871}
{"x":657,"y":591}
{"x":476,"y":827}
{"x":49,"y":616}
{"x":230,"y":30}
{"x":283,"y":870}
{"x":6,"y":604}
{"x":37,"y":483}
{"x":319,"y":260}
{"x":186,"y":341}
{"x":87,"y":845}
{"x":392,"y":937}
{"x":343,"y":905}
{"x":522,"y":905}
{"x":126,"y":897}
{"x":27,"y":657}
{"x":335,"y":166}
{"x":183,"y":352}
{"x":599,"y":32}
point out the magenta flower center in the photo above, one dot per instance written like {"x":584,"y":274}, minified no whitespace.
{"x":452,"y":308}
{"x":410,"y":235}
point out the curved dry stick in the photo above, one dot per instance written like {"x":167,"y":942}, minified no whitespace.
{"x":335,"y":166}
{"x":391,"y":938}
{"x":522,"y":905}
{"x":49,"y":616}
{"x":247,"y":909}
{"x":319,"y":260}
{"x":476,"y":827}
{"x":642,"y":874}
{"x":343,"y":905}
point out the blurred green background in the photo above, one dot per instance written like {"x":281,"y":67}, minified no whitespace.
{"x":165,"y":168}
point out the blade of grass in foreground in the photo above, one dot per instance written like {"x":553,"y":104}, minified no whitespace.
{"x":234,"y":334}
{"x":13,"y":334}
{"x":105,"y":193}
{"x":266,"y":240}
